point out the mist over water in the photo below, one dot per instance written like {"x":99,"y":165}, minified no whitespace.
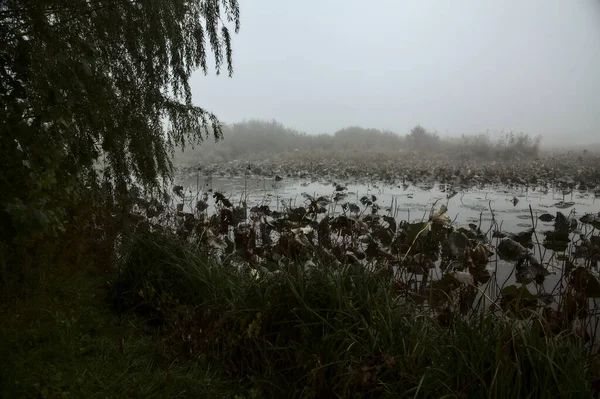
{"x":455,"y":68}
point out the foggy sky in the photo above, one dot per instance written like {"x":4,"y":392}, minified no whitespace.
{"x":453,"y":66}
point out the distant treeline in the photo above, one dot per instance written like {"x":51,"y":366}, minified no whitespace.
{"x":264,"y":139}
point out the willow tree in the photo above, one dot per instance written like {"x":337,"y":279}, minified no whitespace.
{"x":84,"y":82}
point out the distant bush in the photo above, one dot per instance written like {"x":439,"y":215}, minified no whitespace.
{"x":421,"y":139}
{"x":519,"y":144}
{"x":366,"y":139}
{"x":507,"y":147}
{"x":479,"y":145}
{"x":256,"y":139}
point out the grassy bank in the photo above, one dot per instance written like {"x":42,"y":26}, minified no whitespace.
{"x":66,"y":342}
{"x":175,"y":324}
{"x":322,"y":331}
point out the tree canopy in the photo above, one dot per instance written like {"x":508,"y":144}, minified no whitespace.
{"x":84,"y":82}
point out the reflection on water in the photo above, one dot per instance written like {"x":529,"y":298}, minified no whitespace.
{"x":411,"y":203}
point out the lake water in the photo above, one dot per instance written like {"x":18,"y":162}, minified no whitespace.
{"x":412,"y":203}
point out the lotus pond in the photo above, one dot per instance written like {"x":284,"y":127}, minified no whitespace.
{"x":453,"y":248}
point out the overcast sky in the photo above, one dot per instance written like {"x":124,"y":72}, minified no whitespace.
{"x":453,"y":66}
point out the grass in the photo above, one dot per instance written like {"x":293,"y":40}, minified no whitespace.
{"x":326,"y":331}
{"x":65,"y":342}
{"x":175,"y":324}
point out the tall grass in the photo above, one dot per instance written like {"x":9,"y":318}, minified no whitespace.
{"x":323,"y":331}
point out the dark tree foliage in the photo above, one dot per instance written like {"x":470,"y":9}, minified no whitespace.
{"x":96,"y":94}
